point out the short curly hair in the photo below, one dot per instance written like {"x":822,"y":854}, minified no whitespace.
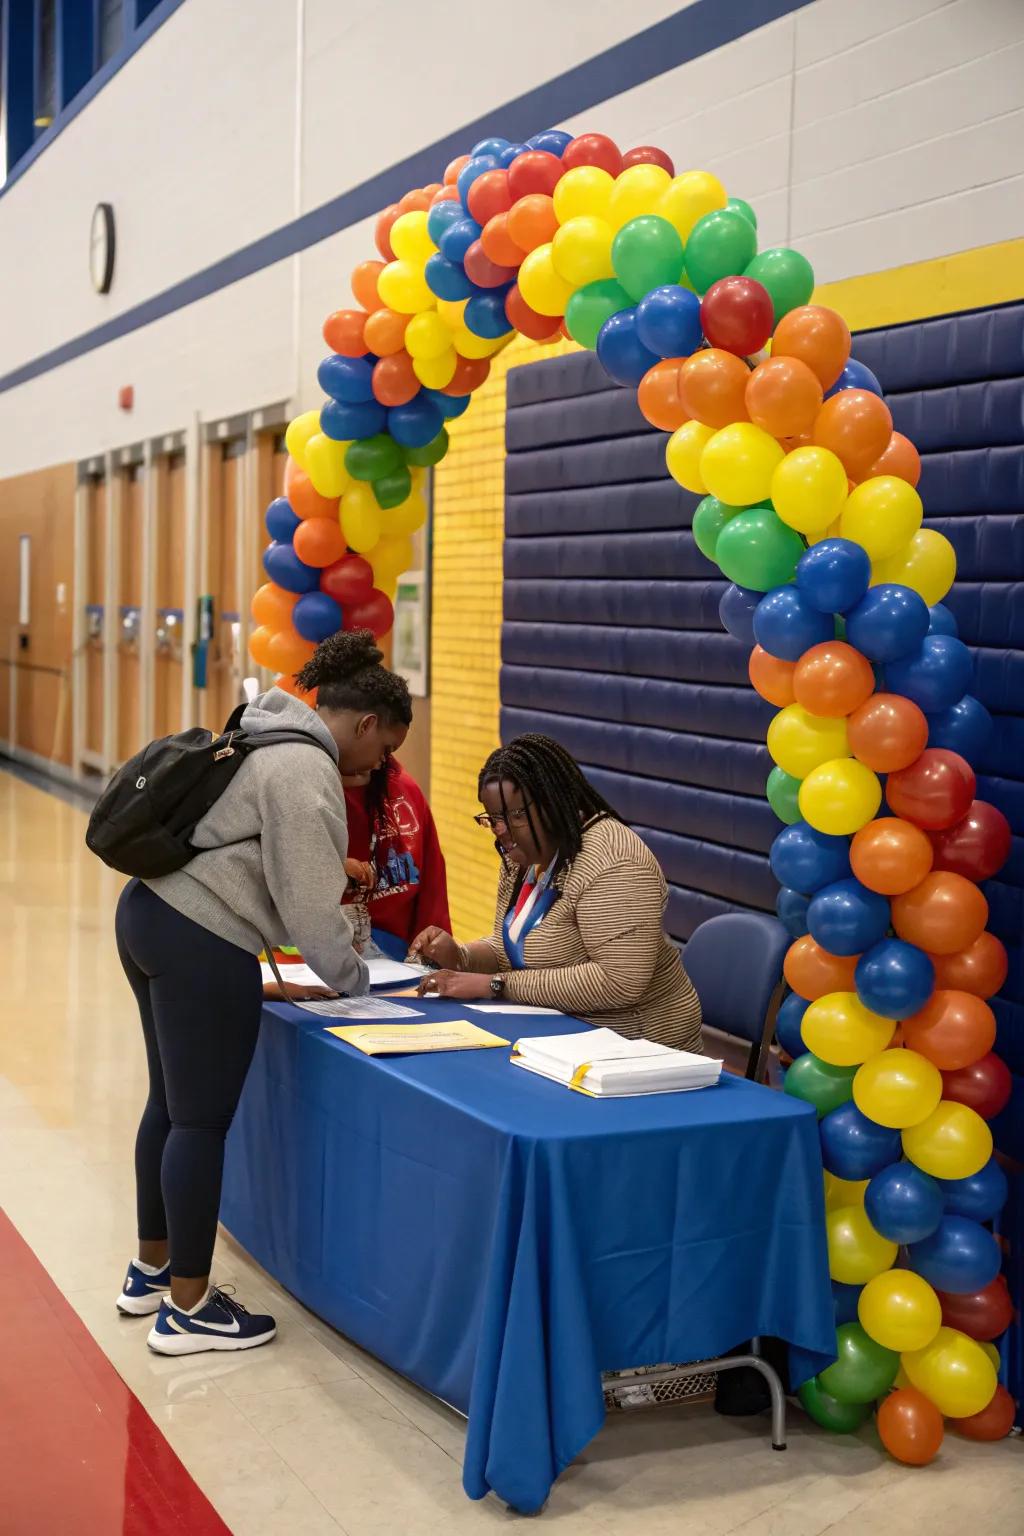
{"x":346,"y":671}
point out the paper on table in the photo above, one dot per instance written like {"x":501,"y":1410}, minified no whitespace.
{"x":416,"y":1039}
{"x":362,"y":1008}
{"x":385,"y":972}
{"x":294,"y":975}
{"x":513,"y":1008}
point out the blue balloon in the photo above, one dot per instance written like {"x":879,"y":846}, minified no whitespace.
{"x":834,"y":575}
{"x":478,"y":165}
{"x":736,"y":610}
{"x":903,"y":1204}
{"x":441,"y":218}
{"x":446,"y":279}
{"x":887,"y":623}
{"x":966,"y":727}
{"x":450,"y":406}
{"x":845,"y":1299}
{"x":855,"y":376}
{"x":349,"y":379}
{"x":416,"y":424}
{"x":846,"y":918}
{"x":894,"y":978}
{"x":553,"y":140}
{"x":942,"y":621}
{"x":346,"y":422}
{"x":960,"y":1257}
{"x":787,"y":1025}
{"x":935,"y":676}
{"x":485,"y":315}
{"x":511,"y":152}
{"x":281,"y":520}
{"x":668,"y":321}
{"x":854,"y":1147}
{"x":620,"y":351}
{"x":981,"y":1197}
{"x":283,"y":565}
{"x":316,"y":616}
{"x":488,"y":147}
{"x":456,"y":240}
{"x":791,"y":910}
{"x":806,"y":860}
{"x":785,"y":624}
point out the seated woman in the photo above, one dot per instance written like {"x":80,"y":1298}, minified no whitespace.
{"x":395,"y":861}
{"x":580,"y":907}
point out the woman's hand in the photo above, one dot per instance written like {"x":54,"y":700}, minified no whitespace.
{"x":464,"y":986}
{"x":360,"y":873}
{"x":437,"y":947}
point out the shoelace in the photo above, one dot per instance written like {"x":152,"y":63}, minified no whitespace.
{"x":226,"y":1294}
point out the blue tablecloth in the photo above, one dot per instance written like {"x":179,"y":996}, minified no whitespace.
{"x":501,"y":1241}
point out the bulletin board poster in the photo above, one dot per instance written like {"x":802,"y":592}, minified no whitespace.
{"x":411,"y":654}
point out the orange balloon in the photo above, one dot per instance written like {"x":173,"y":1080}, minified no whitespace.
{"x":531,"y":221}
{"x":470,"y":373}
{"x":289,"y":685}
{"x":498,"y":244}
{"x":891,"y":856}
{"x":981,"y":968}
{"x":901,"y":459}
{"x":943,"y":914}
{"x":887,"y":732}
{"x":272,"y":606}
{"x":452,"y":169}
{"x":343,"y":332}
{"x":910,"y":1427}
{"x":953,"y":1030}
{"x":712,"y":386}
{"x":812,"y":972}
{"x":382,"y":231}
{"x":783,"y":396}
{"x":394,"y":379}
{"x":658,"y":395}
{"x":799,"y":440}
{"x":259,"y":645}
{"x":319,"y":541}
{"x":445,"y":195}
{"x":364,"y":284}
{"x":302,"y":498}
{"x":817,"y":336}
{"x":288,"y":652}
{"x":416,"y":201}
{"x":994,"y":1422}
{"x":772,"y":677}
{"x":384,"y":331}
{"x":832,"y":679}
{"x":856,"y":425}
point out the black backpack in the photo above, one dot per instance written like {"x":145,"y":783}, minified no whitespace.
{"x":142,"y":823}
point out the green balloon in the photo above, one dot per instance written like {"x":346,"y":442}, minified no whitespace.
{"x":371,"y":457}
{"x":840,"y":627}
{"x":817,"y":1083}
{"x":709,"y":519}
{"x":864,"y":1370}
{"x":392,"y":490}
{"x":720,"y":244}
{"x":756,"y":550}
{"x":432,"y":453}
{"x":782,"y":791}
{"x":647,"y":253}
{"x":742,"y":206}
{"x":591,"y":305}
{"x":840,"y":1418}
{"x":788,"y":276}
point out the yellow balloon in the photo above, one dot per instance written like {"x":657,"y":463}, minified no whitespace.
{"x":809,"y":489}
{"x":468,"y":344}
{"x":927,"y":564}
{"x":637,"y":190}
{"x":799,"y":741}
{"x":389,"y":558}
{"x":881,"y":515}
{"x":410,"y":238}
{"x":408,"y":517}
{"x":427,"y":335}
{"x":954,"y":1371}
{"x":298,"y":434}
{"x":840,"y":796}
{"x":403,"y":288}
{"x":831,"y":532}
{"x":992,"y":1352}
{"x":583,"y":192}
{"x":738,"y":464}
{"x":325,"y":465}
{"x":452,"y":312}
{"x":902,"y":1379}
{"x":841,"y":1031}
{"x":953,"y":1143}
{"x":360,"y":517}
{"x":437,"y":372}
{"x":856,"y":1252}
{"x":683,"y":453}
{"x":898,"y":1089}
{"x":900,"y":1310}
{"x":582,"y":249}
{"x":541,"y":285}
{"x":843,"y":1191}
{"x":689,"y":197}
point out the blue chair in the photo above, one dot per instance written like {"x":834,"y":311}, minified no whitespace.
{"x":735,"y":963}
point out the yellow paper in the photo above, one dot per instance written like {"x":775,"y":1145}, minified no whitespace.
{"x":415,"y":1039}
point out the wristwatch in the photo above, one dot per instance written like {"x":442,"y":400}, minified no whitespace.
{"x":497,"y":986}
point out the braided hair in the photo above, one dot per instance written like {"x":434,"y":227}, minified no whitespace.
{"x":553,"y":784}
{"x":347,"y":673}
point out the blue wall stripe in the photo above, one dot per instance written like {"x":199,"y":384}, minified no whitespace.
{"x":690,"y":33}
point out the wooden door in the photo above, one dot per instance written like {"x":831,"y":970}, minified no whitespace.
{"x":170,"y":593}
{"x":227,"y":509}
{"x":130,"y":614}
{"x":96,"y":535}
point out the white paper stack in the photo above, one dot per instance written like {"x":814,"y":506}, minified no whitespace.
{"x":601,"y":1063}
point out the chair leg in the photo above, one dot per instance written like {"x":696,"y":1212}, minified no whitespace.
{"x":732,"y":1363}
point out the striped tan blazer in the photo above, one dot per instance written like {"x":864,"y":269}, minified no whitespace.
{"x":601,"y":951}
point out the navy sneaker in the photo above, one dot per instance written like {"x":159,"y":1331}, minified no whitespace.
{"x":142,"y":1294}
{"x":222,"y":1323}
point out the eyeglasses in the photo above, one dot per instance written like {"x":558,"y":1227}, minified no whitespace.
{"x":516,"y":817}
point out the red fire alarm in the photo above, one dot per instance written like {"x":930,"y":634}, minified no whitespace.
{"x":126,"y":397}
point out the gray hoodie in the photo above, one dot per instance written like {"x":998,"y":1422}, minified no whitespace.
{"x":277,"y":840}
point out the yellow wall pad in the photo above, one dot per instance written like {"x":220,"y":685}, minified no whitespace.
{"x":990,"y":274}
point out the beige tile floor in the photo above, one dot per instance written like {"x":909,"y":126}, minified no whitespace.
{"x":311,"y":1436}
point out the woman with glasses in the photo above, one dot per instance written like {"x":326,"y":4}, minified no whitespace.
{"x":580,"y":907}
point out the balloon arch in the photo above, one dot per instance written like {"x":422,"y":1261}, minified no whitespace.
{"x":810,"y":510}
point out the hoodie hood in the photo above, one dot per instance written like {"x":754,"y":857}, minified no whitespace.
{"x":276,"y":710}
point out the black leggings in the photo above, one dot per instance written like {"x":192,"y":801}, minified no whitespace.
{"x":200,"y":1000}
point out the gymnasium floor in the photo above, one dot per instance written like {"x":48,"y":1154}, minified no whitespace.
{"x":308,"y":1436}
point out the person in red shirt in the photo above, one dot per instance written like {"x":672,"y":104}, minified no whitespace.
{"x":391,"y":829}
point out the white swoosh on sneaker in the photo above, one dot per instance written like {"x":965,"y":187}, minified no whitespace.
{"x":232,"y":1327}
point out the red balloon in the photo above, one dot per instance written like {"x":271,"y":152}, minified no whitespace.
{"x":374,"y":612}
{"x":488,"y":196}
{"x":394,"y":379}
{"x":536,"y":171}
{"x":982,"y":1316}
{"x":980,"y":969}
{"x":994,"y":1422}
{"x":348,"y":580}
{"x":977,"y":846}
{"x":470,"y":373}
{"x":526,"y":320}
{"x":985,"y":1086}
{"x":480,"y":269}
{"x":593,"y":149}
{"x":648,"y":154}
{"x":382,"y":231}
{"x":935,"y":791}
{"x":737,"y":314}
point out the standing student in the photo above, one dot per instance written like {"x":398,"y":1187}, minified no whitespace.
{"x":391,"y":831}
{"x":269,"y":870}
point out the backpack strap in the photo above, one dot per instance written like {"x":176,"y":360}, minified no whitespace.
{"x":276,"y":738}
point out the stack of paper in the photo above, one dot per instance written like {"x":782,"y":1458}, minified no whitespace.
{"x":601,"y":1063}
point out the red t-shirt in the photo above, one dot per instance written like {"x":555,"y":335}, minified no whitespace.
{"x":411,"y":892}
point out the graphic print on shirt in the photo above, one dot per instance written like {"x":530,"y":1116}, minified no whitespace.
{"x":393,"y":860}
